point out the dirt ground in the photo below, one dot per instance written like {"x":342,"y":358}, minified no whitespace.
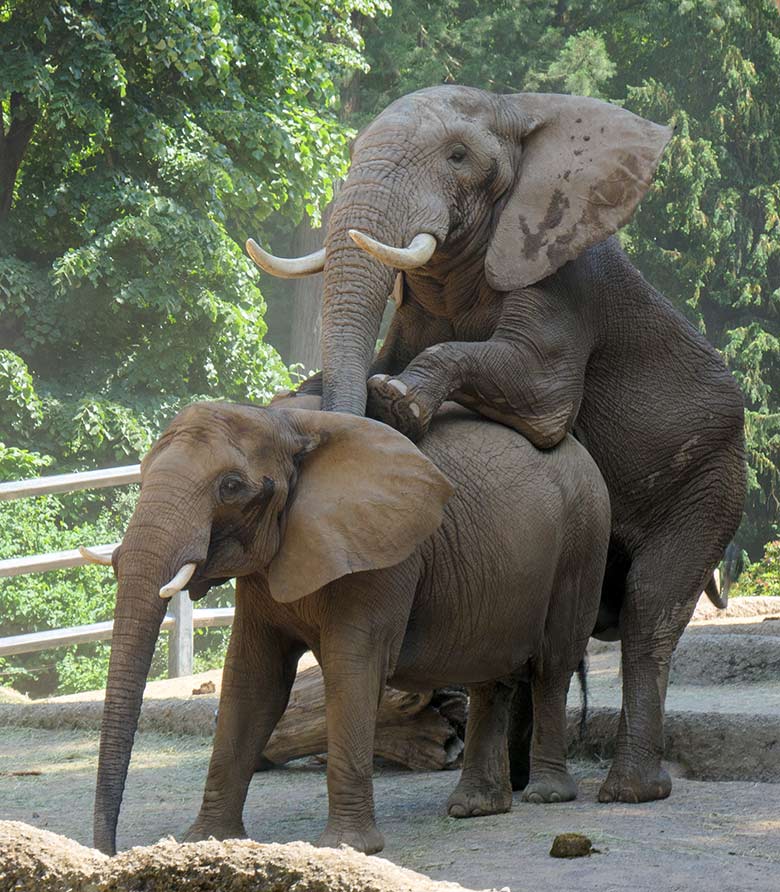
{"x":723,"y":835}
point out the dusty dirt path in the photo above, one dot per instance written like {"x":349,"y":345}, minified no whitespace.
{"x":713,"y":835}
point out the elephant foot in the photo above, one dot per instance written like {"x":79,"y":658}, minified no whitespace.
{"x":202,"y":830}
{"x":391,"y":401}
{"x":635,"y":786}
{"x":477,"y":797}
{"x":369,"y":840}
{"x":558,"y":786}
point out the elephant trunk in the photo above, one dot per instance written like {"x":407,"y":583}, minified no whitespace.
{"x":356,"y":289}
{"x":139,"y":613}
{"x":147,"y":560}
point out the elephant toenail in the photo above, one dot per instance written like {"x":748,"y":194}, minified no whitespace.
{"x":554,"y":797}
{"x":399,"y":386}
{"x":380,"y":378}
{"x":457,"y":811}
{"x":535,"y":798}
{"x":414,"y":409}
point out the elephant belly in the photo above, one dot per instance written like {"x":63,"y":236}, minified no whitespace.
{"x":468,"y":641}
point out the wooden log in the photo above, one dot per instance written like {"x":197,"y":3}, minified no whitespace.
{"x":422,"y":731}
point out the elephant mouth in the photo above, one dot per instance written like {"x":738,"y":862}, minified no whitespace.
{"x":199,"y":586}
{"x":226,"y":558}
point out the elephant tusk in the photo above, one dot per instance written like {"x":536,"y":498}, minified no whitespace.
{"x":178,"y":582}
{"x":95,"y":557}
{"x":286,"y":267}
{"x":418,"y":253}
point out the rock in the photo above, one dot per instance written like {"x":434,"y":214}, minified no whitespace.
{"x":709,"y":659}
{"x":571,"y":845}
{"x":33,"y":860}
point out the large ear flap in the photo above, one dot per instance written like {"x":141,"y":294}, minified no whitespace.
{"x":365,"y":498}
{"x":585,"y":165}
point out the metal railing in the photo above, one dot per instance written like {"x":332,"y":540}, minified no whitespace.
{"x":180,"y":621}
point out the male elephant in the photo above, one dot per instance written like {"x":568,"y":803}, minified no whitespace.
{"x":514,"y":301}
{"x":339,"y":533}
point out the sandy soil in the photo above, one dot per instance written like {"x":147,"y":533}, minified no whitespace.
{"x":728,"y":831}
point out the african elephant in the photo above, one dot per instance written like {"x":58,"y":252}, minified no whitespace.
{"x":338,"y":532}
{"x":514,"y":300}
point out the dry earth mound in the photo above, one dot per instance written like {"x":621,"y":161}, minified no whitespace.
{"x":33,"y":860}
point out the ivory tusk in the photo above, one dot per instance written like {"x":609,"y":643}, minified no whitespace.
{"x":418,"y":253}
{"x":286,"y":267}
{"x":93,"y":557}
{"x":178,"y":582}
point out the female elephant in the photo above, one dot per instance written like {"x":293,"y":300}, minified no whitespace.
{"x":338,"y":530}
{"x":514,"y":301}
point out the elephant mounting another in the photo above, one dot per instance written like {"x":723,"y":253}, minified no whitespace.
{"x":514,"y":300}
{"x":349,"y":541}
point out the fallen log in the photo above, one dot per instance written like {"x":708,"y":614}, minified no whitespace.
{"x":423,"y":731}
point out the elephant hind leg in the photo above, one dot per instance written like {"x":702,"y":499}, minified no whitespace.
{"x":521,"y":727}
{"x":549,"y":779}
{"x":662,"y":588}
{"x":484,"y":787}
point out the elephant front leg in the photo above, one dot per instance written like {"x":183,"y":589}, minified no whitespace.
{"x":256,"y":683}
{"x":354,"y":669}
{"x":493,"y":378}
{"x":484,"y":787}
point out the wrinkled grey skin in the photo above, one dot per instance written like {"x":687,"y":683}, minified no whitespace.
{"x":592,"y":348}
{"x":507,"y":586}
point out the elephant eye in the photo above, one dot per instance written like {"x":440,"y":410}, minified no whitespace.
{"x":231,"y":486}
{"x":457,"y":154}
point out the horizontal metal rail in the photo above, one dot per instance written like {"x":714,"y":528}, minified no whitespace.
{"x":36,"y":641}
{"x":43,"y":486}
{"x":54,"y":560}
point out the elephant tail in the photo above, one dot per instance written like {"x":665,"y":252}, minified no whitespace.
{"x":582,"y":677}
{"x":718,"y":596}
{"x":719,"y":585}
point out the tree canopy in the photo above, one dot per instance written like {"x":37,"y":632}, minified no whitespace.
{"x":141,"y":143}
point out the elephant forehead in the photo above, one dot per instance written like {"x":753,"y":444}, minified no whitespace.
{"x":210,"y":436}
{"x":436,"y":110}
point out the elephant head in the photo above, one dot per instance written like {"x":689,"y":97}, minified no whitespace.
{"x":230,"y":490}
{"x":506,"y":186}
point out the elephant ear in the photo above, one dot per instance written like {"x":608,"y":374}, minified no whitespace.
{"x":366,"y":497}
{"x":585,"y":166}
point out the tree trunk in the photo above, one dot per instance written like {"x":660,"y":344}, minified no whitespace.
{"x":424,"y":732}
{"x":307,"y":300}
{"x":13,"y":144}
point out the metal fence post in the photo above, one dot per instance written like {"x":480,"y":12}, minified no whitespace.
{"x":180,"y":638}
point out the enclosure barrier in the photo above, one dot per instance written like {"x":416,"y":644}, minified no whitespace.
{"x":181,"y":620}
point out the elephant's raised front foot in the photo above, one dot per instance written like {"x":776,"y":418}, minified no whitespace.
{"x":201,"y":830}
{"x":475,"y":797}
{"x":394,"y":403}
{"x":635,"y":785}
{"x":368,"y":840}
{"x":549,"y":786}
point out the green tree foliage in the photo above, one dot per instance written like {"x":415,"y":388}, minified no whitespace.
{"x":159,"y":135}
{"x":762,"y":577}
{"x":708,"y":233}
{"x":141,"y":142}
